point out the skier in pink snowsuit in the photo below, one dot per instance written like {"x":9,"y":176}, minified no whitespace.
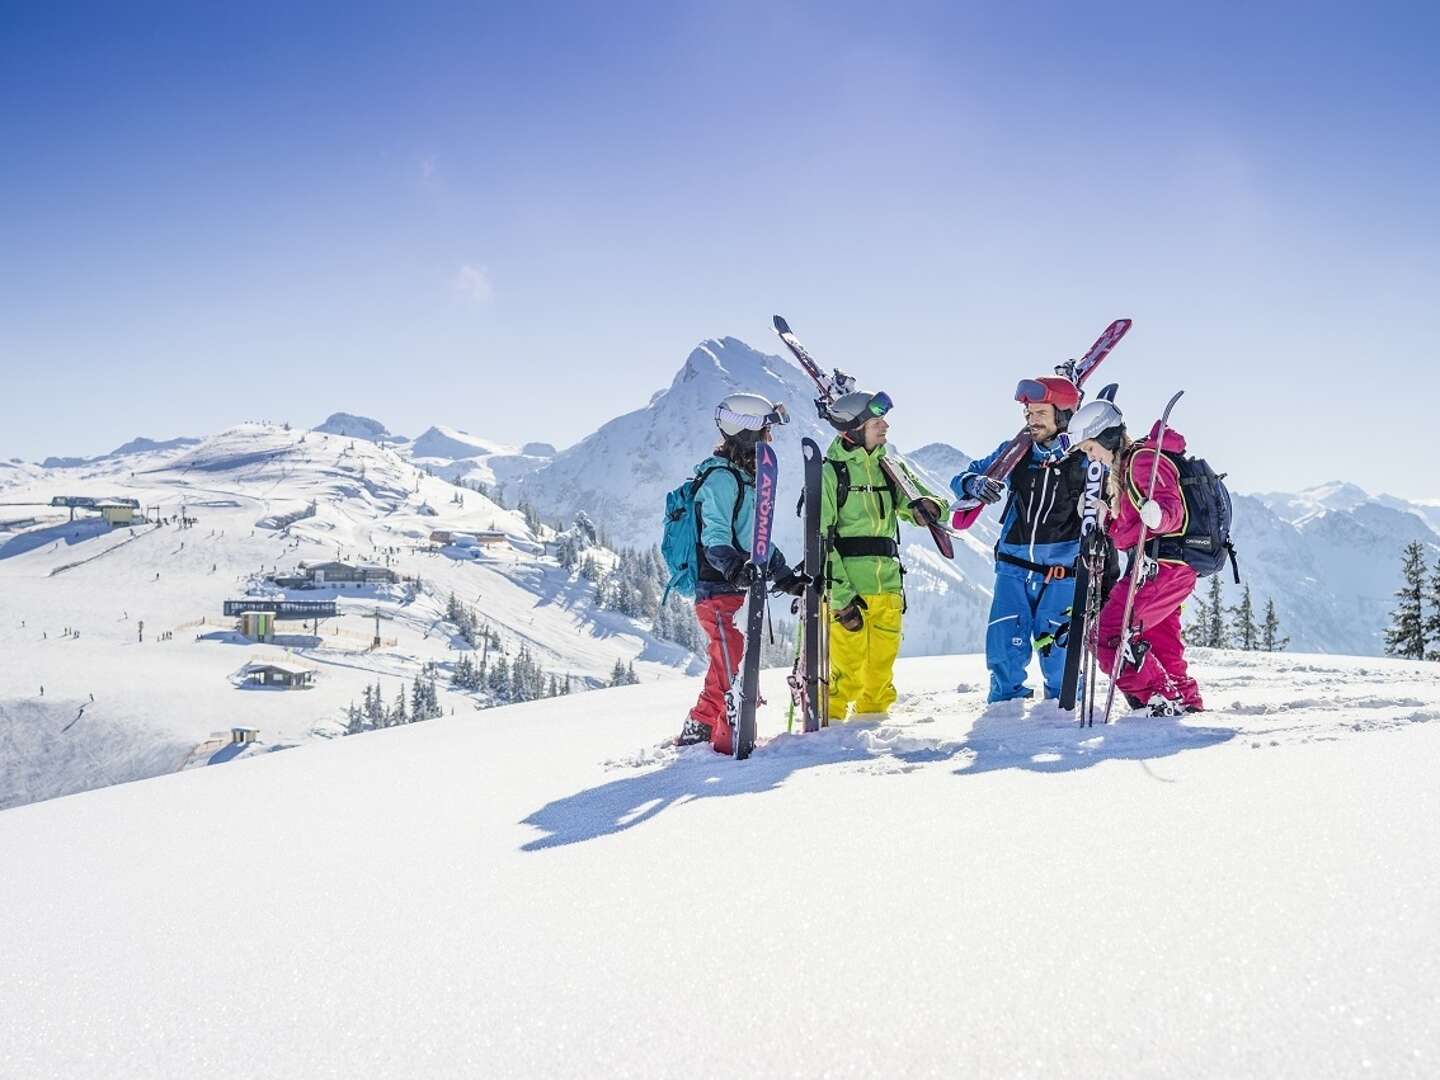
{"x":1160,"y":682}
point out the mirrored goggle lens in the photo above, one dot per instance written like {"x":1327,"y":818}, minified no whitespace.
{"x":880,"y":404}
{"x":1031,"y":392}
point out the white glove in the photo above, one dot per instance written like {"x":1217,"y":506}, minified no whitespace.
{"x":1150,"y":514}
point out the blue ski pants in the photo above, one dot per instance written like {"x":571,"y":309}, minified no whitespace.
{"x":1025,"y":607}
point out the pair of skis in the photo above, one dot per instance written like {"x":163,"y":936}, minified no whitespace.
{"x":967,"y":511}
{"x":1137,"y":564}
{"x":1093,"y":556}
{"x":837,"y":384}
{"x":741,"y":701}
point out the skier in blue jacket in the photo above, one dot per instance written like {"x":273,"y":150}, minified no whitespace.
{"x":1039,"y":543}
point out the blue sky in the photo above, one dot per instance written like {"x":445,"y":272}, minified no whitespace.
{"x":518,"y":219}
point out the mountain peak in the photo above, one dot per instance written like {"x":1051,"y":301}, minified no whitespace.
{"x":357,"y":427}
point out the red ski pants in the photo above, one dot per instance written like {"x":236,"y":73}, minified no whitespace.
{"x":717,"y":617}
{"x":1157,"y":614}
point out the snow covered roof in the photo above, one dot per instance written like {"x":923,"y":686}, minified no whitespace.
{"x":278,"y":666}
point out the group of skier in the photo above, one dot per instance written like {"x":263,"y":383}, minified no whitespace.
{"x":1051,"y":490}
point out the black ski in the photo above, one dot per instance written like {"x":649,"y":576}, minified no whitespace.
{"x":767,"y":472}
{"x":1078,"y":640}
{"x":816,"y":573}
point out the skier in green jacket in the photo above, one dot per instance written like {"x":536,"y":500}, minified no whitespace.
{"x":859,"y":518}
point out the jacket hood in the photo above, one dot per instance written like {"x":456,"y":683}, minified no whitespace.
{"x":1174,"y":441}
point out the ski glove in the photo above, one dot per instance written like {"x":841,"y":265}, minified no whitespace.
{"x":927,"y":509}
{"x":792,"y":582}
{"x":984,"y":488}
{"x":1150,"y":514}
{"x":851,"y":616}
{"x":742,"y":575}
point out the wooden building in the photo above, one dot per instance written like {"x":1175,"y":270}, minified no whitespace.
{"x":288,"y":676}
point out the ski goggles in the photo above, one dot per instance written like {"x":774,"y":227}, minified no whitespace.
{"x":1057,"y":391}
{"x":879,"y":405}
{"x":778,"y":414}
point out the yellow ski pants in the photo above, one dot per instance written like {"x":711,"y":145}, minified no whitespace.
{"x":862,"y":663}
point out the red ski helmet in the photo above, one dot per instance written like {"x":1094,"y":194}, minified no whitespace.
{"x":1054,"y":390}
{"x":1048,"y":390}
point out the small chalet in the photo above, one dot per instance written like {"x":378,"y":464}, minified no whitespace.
{"x":288,"y":676}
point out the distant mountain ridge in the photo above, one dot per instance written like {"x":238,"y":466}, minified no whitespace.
{"x":138,"y":445}
{"x":358,"y":427}
{"x":1327,"y":555}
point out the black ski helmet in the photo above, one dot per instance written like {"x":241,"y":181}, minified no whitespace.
{"x":847,"y":414}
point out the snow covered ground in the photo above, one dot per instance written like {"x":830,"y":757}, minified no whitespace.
{"x":84,"y":701}
{"x":546,"y":890}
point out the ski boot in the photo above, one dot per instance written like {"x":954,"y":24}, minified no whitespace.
{"x":1160,"y":705}
{"x":693,"y":732}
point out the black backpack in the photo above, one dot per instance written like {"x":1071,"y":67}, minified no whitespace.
{"x":1204,"y":545}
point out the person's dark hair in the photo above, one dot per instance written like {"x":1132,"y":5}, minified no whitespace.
{"x":739,"y":452}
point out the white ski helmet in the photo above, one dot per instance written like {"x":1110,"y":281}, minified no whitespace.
{"x":849,"y":412}
{"x":748,"y":414}
{"x":1100,"y":420}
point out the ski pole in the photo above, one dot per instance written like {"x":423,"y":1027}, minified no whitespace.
{"x":1139,"y":562}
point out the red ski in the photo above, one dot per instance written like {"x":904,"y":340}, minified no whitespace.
{"x":967,"y":511}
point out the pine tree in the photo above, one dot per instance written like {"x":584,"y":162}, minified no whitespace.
{"x":1213,"y":617}
{"x":397,"y":711}
{"x":1244,"y":634}
{"x":1432,"y":621}
{"x":1406,"y":636}
{"x":1270,"y":639}
{"x":375,"y":707}
{"x":617,"y":673}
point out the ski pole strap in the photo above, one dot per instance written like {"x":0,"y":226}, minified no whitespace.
{"x":1052,"y":572}
{"x":852,"y":546}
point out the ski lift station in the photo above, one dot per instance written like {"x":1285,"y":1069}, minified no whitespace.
{"x":116,"y":512}
{"x":257,"y":617}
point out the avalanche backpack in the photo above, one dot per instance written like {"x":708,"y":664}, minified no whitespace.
{"x":1204,"y":543}
{"x":680,"y":542}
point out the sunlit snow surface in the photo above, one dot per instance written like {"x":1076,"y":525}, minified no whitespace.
{"x":549,"y":890}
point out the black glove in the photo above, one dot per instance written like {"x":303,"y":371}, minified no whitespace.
{"x":986,"y":489}
{"x":743,"y":575}
{"x":790,"y":581}
{"x":851,"y":616}
{"x":927,"y":509}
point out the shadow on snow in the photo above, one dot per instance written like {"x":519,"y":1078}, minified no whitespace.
{"x":997,"y":741}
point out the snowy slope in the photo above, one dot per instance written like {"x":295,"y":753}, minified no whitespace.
{"x":263,"y":498}
{"x":538,"y":891}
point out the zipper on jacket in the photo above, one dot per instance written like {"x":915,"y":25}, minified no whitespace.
{"x":1035,"y":522}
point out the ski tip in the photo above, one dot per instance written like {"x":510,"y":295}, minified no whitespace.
{"x":781,"y":326}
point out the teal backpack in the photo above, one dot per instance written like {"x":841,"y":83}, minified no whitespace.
{"x":680,"y":543}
